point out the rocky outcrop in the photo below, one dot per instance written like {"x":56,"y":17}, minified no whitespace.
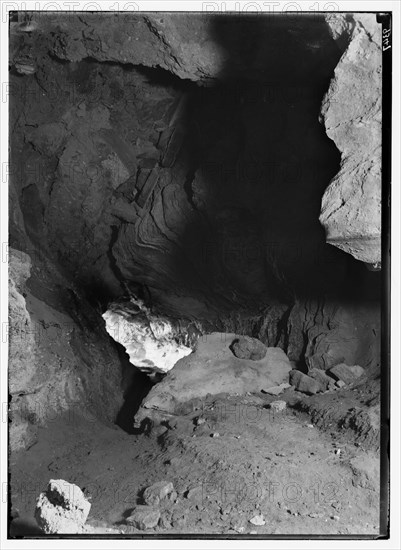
{"x":351,"y":112}
{"x":210,"y":370}
{"x":61,"y":360}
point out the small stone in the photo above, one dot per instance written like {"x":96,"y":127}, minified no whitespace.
{"x":199,"y":421}
{"x":304,"y":383}
{"x":320,"y":376}
{"x":340,"y":383}
{"x":315,"y":515}
{"x":156,"y":492}
{"x":164,"y":523}
{"x":310,"y":426}
{"x":175,"y":461}
{"x":246,"y":347}
{"x":336,"y":518}
{"x":215,"y":434}
{"x":278,"y":406}
{"x":144,"y":517}
{"x":276,"y":390}
{"x":346,"y":373}
{"x":258,"y":520}
{"x":180,"y":523}
{"x":337,"y":451}
{"x":196,"y":494}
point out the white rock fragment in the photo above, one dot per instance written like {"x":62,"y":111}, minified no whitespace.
{"x":258,"y":520}
{"x":150,"y":340}
{"x":278,"y":406}
{"x":62,"y":509}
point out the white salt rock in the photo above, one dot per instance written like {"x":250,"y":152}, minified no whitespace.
{"x":258,"y":520}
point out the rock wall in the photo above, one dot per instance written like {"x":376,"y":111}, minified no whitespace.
{"x":61,"y":360}
{"x":351,"y":112}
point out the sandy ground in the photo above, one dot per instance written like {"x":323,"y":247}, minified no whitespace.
{"x":241,"y":459}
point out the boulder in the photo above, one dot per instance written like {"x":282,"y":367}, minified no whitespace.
{"x":156,"y":492}
{"x":246,"y":347}
{"x":62,"y":509}
{"x":304,"y":383}
{"x":144,"y":517}
{"x":210,"y":370}
{"x":346,"y":373}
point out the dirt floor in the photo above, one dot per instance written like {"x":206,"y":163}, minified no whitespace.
{"x":229,"y":458}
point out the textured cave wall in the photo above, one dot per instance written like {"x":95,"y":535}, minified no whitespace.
{"x":61,"y":358}
{"x":168,"y":156}
{"x":351,"y":112}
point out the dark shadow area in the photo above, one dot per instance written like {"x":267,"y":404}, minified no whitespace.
{"x":255,"y":161}
{"x":136,"y":385}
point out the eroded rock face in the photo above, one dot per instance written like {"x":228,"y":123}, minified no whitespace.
{"x":61,"y":359}
{"x":351,"y":112}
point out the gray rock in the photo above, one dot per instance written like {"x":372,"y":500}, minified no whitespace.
{"x":246,"y":347}
{"x":277,"y":406}
{"x":62,"y":509}
{"x":212,"y":369}
{"x":164,"y":522}
{"x":156,"y":492}
{"x":347,"y":373}
{"x":340,"y":383}
{"x":276,"y":390}
{"x":304,"y":383}
{"x":144,"y":517}
{"x":195,"y":494}
{"x":320,"y":376}
{"x":351,"y":112}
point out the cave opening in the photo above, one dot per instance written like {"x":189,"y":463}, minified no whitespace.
{"x":168,"y":218}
